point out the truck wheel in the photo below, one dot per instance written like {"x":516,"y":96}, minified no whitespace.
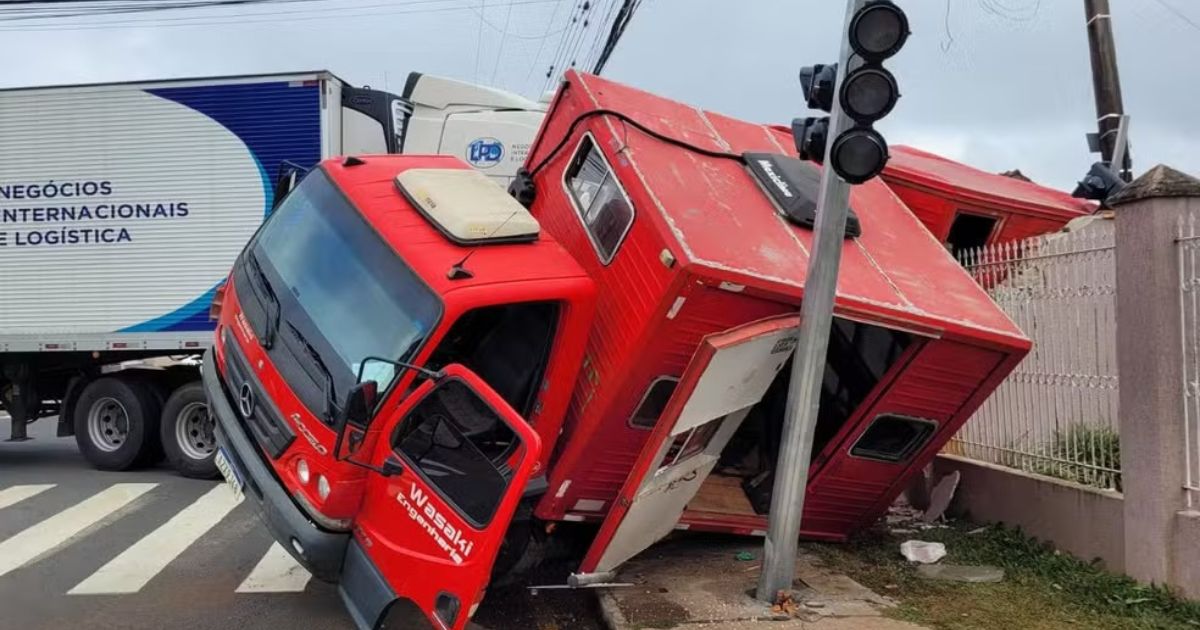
{"x":116,"y":423}
{"x":188,"y":432}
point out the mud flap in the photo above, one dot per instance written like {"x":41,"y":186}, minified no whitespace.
{"x":363,"y":590}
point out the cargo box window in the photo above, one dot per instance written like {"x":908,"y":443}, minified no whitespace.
{"x":692,"y":441}
{"x":461,"y":447}
{"x":654,"y":401}
{"x":599,"y":199}
{"x":969,"y":231}
{"x":893,"y":438}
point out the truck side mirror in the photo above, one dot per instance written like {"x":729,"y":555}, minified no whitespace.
{"x":290,"y":174}
{"x":355,"y":417}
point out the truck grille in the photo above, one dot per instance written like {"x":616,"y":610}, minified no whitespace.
{"x":263,"y":419}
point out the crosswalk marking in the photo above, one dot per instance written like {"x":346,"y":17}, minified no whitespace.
{"x":277,"y":572}
{"x":137,"y":565}
{"x":47,"y":535}
{"x":16,"y":494}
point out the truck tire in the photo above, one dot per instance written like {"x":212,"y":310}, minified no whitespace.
{"x":187,"y":432}
{"x":116,"y":423}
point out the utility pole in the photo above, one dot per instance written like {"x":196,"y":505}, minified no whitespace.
{"x":1106,"y":83}
{"x":852,"y":152}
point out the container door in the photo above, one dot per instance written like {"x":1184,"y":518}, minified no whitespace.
{"x":729,"y":373}
{"x":454,"y":462}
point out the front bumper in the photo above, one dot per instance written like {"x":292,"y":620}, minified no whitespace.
{"x":321,"y":552}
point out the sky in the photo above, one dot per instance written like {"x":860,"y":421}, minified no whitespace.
{"x":998,"y":84}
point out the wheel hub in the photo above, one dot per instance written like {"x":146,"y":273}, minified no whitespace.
{"x":108,"y":424}
{"x":195,"y":431}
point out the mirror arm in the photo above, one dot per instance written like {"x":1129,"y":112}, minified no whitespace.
{"x":384,"y":471}
{"x":425,"y":372}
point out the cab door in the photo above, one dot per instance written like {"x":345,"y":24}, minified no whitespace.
{"x":452,"y":465}
{"x":727,"y":376}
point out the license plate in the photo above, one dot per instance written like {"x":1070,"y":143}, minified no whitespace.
{"x":229,"y":473}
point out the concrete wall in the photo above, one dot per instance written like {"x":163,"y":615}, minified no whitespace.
{"x":1147,"y":531}
{"x":1086,"y":522}
{"x":1187,"y":547}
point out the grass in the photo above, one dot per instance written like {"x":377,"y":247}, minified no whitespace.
{"x":1088,"y":446}
{"x":1042,"y":589}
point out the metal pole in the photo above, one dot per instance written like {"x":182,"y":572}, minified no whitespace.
{"x":1106,"y":82}
{"x":808,"y":364}
{"x":1122,"y":140}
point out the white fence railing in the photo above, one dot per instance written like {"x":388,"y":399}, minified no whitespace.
{"x":1056,"y":414}
{"x":1187,"y":247}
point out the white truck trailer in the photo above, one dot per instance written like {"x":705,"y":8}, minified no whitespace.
{"x":122,"y":207}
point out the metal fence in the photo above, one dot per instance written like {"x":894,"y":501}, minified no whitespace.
{"x":1056,"y":414}
{"x":1187,"y":247}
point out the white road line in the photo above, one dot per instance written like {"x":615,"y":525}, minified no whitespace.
{"x":49,"y":534}
{"x":277,"y":572}
{"x":16,"y":494}
{"x":137,"y":565}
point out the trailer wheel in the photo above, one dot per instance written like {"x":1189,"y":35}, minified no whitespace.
{"x":188,"y":432}
{"x":116,"y":423}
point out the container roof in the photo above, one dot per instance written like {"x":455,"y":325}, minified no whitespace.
{"x":896,"y":270}
{"x":955,"y":179}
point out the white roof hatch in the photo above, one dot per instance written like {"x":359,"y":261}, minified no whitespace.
{"x":467,"y":206}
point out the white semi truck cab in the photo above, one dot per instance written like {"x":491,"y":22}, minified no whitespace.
{"x":488,"y":128}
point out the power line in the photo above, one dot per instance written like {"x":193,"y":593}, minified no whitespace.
{"x":573,"y":29}
{"x":571,"y":60}
{"x":78,"y":10}
{"x":1179,"y":14}
{"x":618,"y":29}
{"x":542,"y":46}
{"x":503,"y":42}
{"x":479,"y":38}
{"x":597,"y":42}
{"x":313,"y":14}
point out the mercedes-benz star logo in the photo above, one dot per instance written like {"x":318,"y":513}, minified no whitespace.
{"x":246,"y":400}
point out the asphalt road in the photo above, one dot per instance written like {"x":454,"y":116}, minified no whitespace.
{"x":148,"y":549}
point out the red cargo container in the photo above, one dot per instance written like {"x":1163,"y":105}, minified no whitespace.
{"x":965,"y":207}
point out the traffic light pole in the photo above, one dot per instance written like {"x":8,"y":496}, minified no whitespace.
{"x":808,"y":364}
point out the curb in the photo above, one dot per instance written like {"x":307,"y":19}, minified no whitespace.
{"x":610,"y":612}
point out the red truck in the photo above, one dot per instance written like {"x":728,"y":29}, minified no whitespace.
{"x":415,"y":375}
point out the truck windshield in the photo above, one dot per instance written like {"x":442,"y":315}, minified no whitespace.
{"x":343,"y":294}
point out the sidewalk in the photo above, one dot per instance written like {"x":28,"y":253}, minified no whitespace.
{"x":698,"y":581}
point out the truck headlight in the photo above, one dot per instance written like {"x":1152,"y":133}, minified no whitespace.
{"x":302,"y":471}
{"x":322,"y":487}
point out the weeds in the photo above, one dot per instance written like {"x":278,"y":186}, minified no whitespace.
{"x":1042,"y":588}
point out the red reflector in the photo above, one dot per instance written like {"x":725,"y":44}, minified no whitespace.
{"x":191,"y":344}
{"x":53,"y":346}
{"x":119,"y":344}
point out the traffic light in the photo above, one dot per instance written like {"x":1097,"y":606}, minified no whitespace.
{"x":868,"y":92}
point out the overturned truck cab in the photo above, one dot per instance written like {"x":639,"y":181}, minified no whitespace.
{"x":413,"y":372}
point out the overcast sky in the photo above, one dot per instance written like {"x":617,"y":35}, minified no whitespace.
{"x":999,"y":84}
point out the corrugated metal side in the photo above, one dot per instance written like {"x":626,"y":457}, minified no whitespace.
{"x":938,"y":385}
{"x":182,"y":178}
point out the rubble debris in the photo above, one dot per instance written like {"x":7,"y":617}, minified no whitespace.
{"x":972,"y":574}
{"x":941,"y":496}
{"x":785,"y":604}
{"x":743,"y":556}
{"x":922,"y":552}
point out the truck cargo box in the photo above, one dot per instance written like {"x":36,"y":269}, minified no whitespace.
{"x":122,"y":206}
{"x":688,"y":253}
